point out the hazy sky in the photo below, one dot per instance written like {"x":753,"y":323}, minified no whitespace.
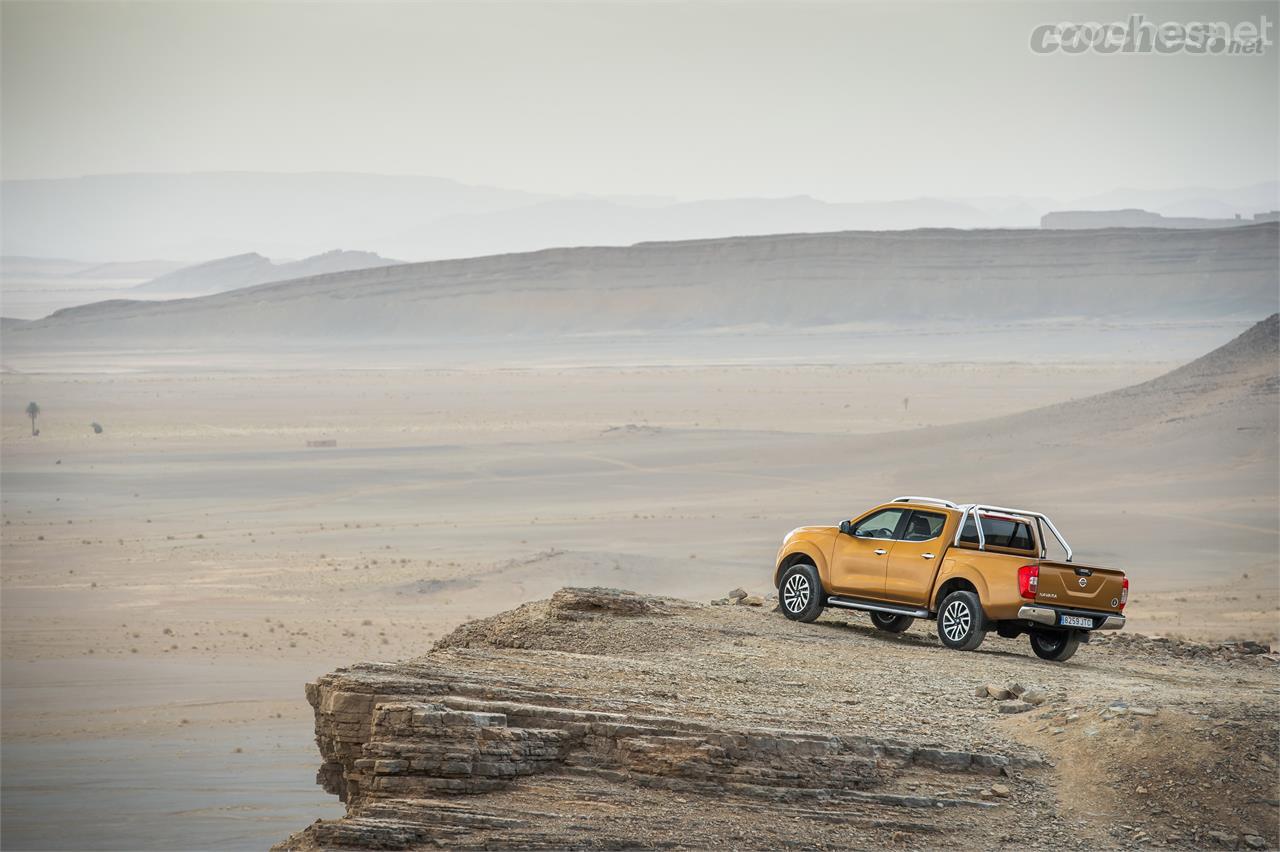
{"x":844,"y":101}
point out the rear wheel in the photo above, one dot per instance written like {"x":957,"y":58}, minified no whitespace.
{"x":891,"y":623}
{"x":960,"y":621}
{"x":800,"y":593}
{"x":1057,"y":645}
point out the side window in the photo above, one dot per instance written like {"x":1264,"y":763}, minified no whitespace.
{"x":1000,"y":532}
{"x":924,"y":526}
{"x":880,"y":525}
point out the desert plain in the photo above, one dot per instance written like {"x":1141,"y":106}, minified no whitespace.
{"x":171,"y":583}
{"x":255,"y":513}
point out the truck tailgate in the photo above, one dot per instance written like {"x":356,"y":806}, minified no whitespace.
{"x":1080,"y":586}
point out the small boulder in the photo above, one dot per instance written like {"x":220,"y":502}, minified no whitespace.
{"x":751,"y":600}
{"x":1001,"y":790}
{"x":999,"y":693}
{"x":980,"y":691}
{"x":575,"y":604}
{"x":1015,"y":707}
{"x":1034,"y":696}
{"x":737,"y":594}
{"x":1254,"y":841}
{"x":1143,"y":711}
{"x":1016,"y":689}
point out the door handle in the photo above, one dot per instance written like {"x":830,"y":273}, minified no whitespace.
{"x":927,"y":555}
{"x":880,"y":551}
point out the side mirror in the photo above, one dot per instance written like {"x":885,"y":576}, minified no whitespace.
{"x":846,"y":527}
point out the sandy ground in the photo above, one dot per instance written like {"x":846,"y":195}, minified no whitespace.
{"x":170,"y":584}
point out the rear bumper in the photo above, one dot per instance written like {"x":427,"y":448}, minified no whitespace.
{"x":1049,"y":615}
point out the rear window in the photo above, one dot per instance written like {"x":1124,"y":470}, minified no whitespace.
{"x":1000,"y":532}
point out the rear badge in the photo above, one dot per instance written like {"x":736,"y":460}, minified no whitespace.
{"x":1115,"y":601}
{"x":1084,"y":581}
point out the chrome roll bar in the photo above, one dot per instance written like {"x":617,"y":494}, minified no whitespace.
{"x":977,"y":510}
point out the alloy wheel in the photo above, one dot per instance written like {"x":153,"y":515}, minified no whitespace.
{"x":796,"y":593}
{"x":956,"y":620}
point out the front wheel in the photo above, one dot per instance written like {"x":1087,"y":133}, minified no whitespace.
{"x":800,"y":593}
{"x":1057,"y":646}
{"x":960,"y":624}
{"x":891,"y":623}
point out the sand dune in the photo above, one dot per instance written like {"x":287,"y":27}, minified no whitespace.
{"x":798,"y":282}
{"x":1220,"y":399}
{"x":1175,"y":479}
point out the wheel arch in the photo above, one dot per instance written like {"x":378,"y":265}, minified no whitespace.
{"x":960,"y":581}
{"x":801,"y":551}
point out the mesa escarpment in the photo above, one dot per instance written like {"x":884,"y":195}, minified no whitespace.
{"x":609,"y":719}
{"x":787,"y":282}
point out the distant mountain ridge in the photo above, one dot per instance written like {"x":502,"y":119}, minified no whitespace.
{"x":38,"y":268}
{"x":220,"y":214}
{"x":1135,"y":218}
{"x":598,"y":222}
{"x":795,"y":281}
{"x":248,"y":270}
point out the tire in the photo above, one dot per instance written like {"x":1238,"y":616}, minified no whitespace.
{"x":800,"y":594}
{"x":1056,"y":646}
{"x":960,"y":621}
{"x":890,"y":623}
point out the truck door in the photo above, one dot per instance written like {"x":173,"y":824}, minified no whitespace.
{"x":860,"y":557}
{"x":913,"y":561}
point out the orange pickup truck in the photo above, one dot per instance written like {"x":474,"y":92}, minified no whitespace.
{"x":973,"y":568}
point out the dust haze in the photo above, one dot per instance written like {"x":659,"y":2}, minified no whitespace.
{"x":302,"y":406}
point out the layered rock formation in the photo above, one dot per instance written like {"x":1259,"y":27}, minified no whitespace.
{"x":609,"y":719}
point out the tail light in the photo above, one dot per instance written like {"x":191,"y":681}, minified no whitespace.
{"x":1028,"y":581}
{"x":1124,"y":593}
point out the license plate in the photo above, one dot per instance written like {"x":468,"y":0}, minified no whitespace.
{"x":1075,"y":621}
